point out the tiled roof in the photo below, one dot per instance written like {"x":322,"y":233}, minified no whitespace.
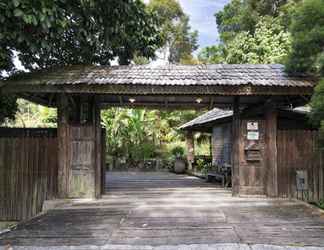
{"x":218,"y":74}
{"x":209,"y":116}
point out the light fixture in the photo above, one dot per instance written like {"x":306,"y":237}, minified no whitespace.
{"x":132,"y":100}
{"x":198,"y":100}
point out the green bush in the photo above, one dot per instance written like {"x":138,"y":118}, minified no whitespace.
{"x":178,"y":152}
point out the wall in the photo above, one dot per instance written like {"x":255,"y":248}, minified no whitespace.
{"x":221,"y":143}
{"x":28,"y":171}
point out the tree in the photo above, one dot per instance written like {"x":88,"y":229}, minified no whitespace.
{"x":269,"y":44}
{"x":308,"y":38}
{"x":307,"y":56}
{"x":58,"y":32}
{"x":212,"y":54}
{"x":179,"y":41}
{"x":75,"y":32}
{"x":243,"y":15}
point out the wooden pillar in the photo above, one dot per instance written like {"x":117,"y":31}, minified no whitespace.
{"x":190,"y":148}
{"x":63,"y":145}
{"x":236,"y":125}
{"x":98,"y":150}
{"x":271,"y":177}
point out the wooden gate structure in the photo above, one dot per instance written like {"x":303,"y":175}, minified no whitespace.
{"x":80,"y":91}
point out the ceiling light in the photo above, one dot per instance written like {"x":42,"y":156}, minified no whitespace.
{"x":198,"y":100}
{"x":132,"y":100}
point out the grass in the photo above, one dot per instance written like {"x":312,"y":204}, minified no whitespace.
{"x":319,"y":204}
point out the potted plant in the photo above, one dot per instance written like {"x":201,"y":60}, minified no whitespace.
{"x":179,"y":162}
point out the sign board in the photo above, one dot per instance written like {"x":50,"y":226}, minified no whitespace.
{"x":252,"y":135}
{"x":252,"y":126}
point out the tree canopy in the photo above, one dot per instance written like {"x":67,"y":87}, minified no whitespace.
{"x":308,"y":51}
{"x":178,"y":39}
{"x":58,"y":32}
{"x":252,"y":31}
{"x":270,"y":43}
{"x":48,"y":33}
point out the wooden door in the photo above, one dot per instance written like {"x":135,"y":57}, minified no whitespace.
{"x":252,"y":160}
{"x":82,"y":161}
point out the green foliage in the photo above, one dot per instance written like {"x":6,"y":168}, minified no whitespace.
{"x":178,"y":38}
{"x":269,"y":44}
{"x":307,"y":55}
{"x":178,"y":152}
{"x":8,"y":108}
{"x":254,"y":31}
{"x":308,"y":38}
{"x":139,"y":134}
{"x":243,"y":15}
{"x":48,"y":33}
{"x":321,"y":204}
{"x":32,"y":115}
{"x":212,"y":54}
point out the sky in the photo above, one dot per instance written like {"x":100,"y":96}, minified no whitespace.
{"x":202,"y":19}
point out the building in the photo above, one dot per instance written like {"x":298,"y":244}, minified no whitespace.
{"x":296,"y":148}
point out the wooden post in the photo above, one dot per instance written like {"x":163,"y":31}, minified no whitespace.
{"x":191,"y":149}
{"x":271,"y":178}
{"x":62,"y":136}
{"x":235,"y":147}
{"x":98,"y":150}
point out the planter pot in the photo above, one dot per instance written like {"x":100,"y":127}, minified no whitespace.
{"x":179,"y":166}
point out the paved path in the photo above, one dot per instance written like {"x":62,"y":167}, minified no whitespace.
{"x":166,"y":211}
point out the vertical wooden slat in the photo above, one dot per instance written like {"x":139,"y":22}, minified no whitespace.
{"x":271,"y":152}
{"x":2,"y":176}
{"x":321,"y":175}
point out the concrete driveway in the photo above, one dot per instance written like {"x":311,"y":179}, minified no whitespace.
{"x":167,"y":211}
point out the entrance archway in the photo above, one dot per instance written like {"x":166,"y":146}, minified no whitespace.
{"x":80,"y":91}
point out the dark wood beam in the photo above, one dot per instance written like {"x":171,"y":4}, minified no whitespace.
{"x":271,"y":150}
{"x":198,"y":90}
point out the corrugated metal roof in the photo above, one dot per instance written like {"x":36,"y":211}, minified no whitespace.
{"x":218,"y":74}
{"x":209,"y":116}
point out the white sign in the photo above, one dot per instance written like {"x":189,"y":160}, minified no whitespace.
{"x":252,"y":126}
{"x":253,"y":136}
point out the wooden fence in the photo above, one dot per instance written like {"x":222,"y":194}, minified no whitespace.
{"x":298,"y":150}
{"x":28,"y":171}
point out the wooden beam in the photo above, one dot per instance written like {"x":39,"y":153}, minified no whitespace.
{"x":236,"y":138}
{"x":271,"y":178}
{"x":126,"y":89}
